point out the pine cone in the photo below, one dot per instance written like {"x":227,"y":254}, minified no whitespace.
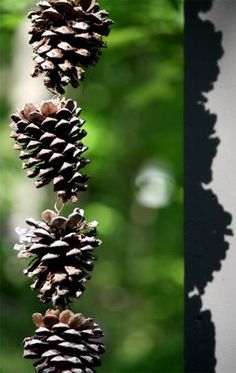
{"x":64,"y":342}
{"x":67,"y":33}
{"x":62,"y":252}
{"x":48,"y":136}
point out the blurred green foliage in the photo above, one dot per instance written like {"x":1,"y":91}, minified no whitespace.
{"x":132,"y":102}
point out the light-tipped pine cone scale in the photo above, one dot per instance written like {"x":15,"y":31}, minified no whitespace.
{"x":67,"y":36}
{"x":49,"y":136}
{"x":62,"y":256}
{"x":64,"y":342}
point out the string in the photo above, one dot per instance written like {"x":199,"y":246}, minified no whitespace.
{"x":58,"y":209}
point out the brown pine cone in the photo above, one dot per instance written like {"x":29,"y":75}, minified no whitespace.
{"x":64,"y":342}
{"x":65,"y":34}
{"x":48,"y":136}
{"x":62,"y":255}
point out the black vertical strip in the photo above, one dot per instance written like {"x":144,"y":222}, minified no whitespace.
{"x":206,"y":221}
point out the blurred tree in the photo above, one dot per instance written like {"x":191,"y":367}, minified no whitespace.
{"x":132,"y":101}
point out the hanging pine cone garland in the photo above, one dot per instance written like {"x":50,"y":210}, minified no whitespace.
{"x":48,"y":136}
{"x":67,"y":37}
{"x":67,"y":34}
{"x":64,"y":342}
{"x":62,"y":252}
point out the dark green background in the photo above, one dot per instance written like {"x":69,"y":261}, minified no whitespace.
{"x":132,"y":101}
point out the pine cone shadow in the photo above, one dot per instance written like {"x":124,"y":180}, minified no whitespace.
{"x":206,"y":221}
